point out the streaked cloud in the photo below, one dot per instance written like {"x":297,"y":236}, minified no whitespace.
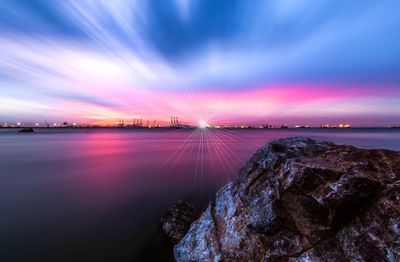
{"x":114,"y":59}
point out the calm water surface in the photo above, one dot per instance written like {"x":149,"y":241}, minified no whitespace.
{"x":97,"y":195}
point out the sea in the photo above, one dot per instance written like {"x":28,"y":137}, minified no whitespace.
{"x":98,"y":194}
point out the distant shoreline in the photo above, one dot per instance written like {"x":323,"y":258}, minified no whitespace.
{"x":168,"y":129}
{"x":189,"y":128}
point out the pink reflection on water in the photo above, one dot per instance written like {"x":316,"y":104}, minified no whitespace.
{"x":85,"y":190}
{"x":112,"y":164}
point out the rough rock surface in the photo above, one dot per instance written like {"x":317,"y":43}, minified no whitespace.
{"x":301,"y":200}
{"x":176,"y":221}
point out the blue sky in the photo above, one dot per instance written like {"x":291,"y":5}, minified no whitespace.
{"x":113,"y":58}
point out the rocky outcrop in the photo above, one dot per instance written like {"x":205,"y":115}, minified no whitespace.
{"x":176,"y":221}
{"x":173,"y":225}
{"x":301,"y":200}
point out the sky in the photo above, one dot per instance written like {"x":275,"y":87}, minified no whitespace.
{"x":224,"y":62}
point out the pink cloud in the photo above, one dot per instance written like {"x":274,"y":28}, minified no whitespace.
{"x":285,"y":102}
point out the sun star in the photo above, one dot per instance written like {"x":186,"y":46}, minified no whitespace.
{"x":203,"y":124}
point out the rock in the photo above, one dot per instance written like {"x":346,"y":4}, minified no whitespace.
{"x":26,"y":130}
{"x":176,"y":221}
{"x":298,"y":199}
{"x":173,"y":225}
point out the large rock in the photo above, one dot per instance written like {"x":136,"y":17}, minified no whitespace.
{"x":301,"y":200}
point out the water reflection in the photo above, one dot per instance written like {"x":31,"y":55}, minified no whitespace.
{"x":95,"y":196}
